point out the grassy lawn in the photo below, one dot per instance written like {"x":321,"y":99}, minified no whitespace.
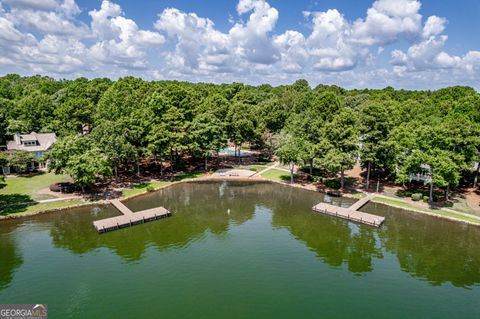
{"x":29,"y":185}
{"x":461,"y":205}
{"x":189,"y":175}
{"x":277,"y":175}
{"x":407,"y":206}
{"x":359,"y":195}
{"x":255,"y":168}
{"x":141,"y":188}
{"x":36,"y":208}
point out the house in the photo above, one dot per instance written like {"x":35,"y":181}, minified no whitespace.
{"x":35,"y":143}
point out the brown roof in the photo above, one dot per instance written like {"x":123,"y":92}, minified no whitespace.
{"x":44,"y":142}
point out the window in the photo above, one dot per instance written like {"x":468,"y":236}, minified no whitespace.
{"x":30,"y":143}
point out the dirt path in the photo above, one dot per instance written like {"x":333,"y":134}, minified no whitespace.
{"x":472,"y":196}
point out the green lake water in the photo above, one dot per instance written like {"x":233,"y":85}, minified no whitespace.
{"x":236,"y":250}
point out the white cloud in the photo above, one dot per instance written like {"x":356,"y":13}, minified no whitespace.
{"x":434,"y":26}
{"x":200,"y":47}
{"x":429,"y":53}
{"x":386,"y":20}
{"x":120,"y":40}
{"x":33,"y":4}
{"x":49,"y":22}
{"x":49,"y":37}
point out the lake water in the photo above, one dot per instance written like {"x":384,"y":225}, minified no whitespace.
{"x":236,"y":250}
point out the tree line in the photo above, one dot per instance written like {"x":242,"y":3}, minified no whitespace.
{"x":323,"y":129}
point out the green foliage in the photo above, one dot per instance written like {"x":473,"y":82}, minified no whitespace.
{"x":20,"y":159}
{"x":326,"y":128}
{"x":417,"y":197}
{"x":81,"y":158}
{"x":3,"y":160}
{"x":150,"y":188}
{"x":332,"y":183}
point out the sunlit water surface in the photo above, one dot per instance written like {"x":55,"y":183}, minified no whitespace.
{"x":236,"y":250}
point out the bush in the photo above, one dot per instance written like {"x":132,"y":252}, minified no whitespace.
{"x":426,"y":199}
{"x":150,"y":188}
{"x":332,"y":183}
{"x":417,"y":196}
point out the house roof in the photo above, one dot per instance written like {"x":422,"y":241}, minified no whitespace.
{"x":44,"y":142}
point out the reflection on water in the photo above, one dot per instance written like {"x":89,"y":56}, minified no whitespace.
{"x":10,"y":257}
{"x":434,"y":250}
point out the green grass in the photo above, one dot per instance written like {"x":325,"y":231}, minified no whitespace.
{"x":189,"y":175}
{"x":359,"y":195}
{"x":31,"y":185}
{"x":36,"y":208}
{"x":407,"y":206}
{"x":276,"y":175}
{"x":460,"y":204}
{"x":141,"y":188}
{"x":256,"y":168}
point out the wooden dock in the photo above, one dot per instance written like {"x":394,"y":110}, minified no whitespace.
{"x":351,"y":213}
{"x":128,"y":218}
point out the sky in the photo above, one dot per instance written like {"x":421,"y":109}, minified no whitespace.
{"x":411,"y":44}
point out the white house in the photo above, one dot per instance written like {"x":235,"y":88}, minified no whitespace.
{"x":35,"y":143}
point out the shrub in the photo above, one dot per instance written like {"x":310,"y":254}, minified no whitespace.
{"x":417,"y":196}
{"x":332,"y":183}
{"x":425,"y":199}
{"x":150,"y":188}
{"x":253,"y":169}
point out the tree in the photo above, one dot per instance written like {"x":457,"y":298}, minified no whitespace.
{"x":241,"y":126}
{"x":374,"y":129}
{"x":112,"y":137}
{"x":288,"y":152}
{"x":21,"y":159}
{"x":208,"y":134}
{"x":342,"y":138}
{"x":81,"y":158}
{"x":443,"y":171}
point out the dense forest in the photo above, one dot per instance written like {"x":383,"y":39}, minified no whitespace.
{"x":323,"y":129}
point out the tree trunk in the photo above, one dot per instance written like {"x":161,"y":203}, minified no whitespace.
{"x":378,"y":185}
{"x":171,"y":161}
{"x":138,"y":169}
{"x":161,"y":166}
{"x":342,"y":178}
{"x":291,"y":172}
{"x":447,"y":189}
{"x":311,"y":166}
{"x":430,"y":197}
{"x":206,"y":163}
{"x":475,"y":180}
{"x":116,"y":173}
{"x":368,"y":174}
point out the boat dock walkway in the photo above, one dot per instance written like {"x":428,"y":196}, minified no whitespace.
{"x":128,"y":218}
{"x":351,"y":213}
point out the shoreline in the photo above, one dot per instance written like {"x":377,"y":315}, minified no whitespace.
{"x":254,"y":179}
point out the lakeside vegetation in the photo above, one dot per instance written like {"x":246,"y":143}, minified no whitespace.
{"x":111,"y":129}
{"x":35,"y":208}
{"x":404,"y":205}
{"x":143,"y":187}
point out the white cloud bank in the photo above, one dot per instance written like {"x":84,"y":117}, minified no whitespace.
{"x":47,"y":37}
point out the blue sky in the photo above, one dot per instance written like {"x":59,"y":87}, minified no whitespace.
{"x":414,"y":44}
